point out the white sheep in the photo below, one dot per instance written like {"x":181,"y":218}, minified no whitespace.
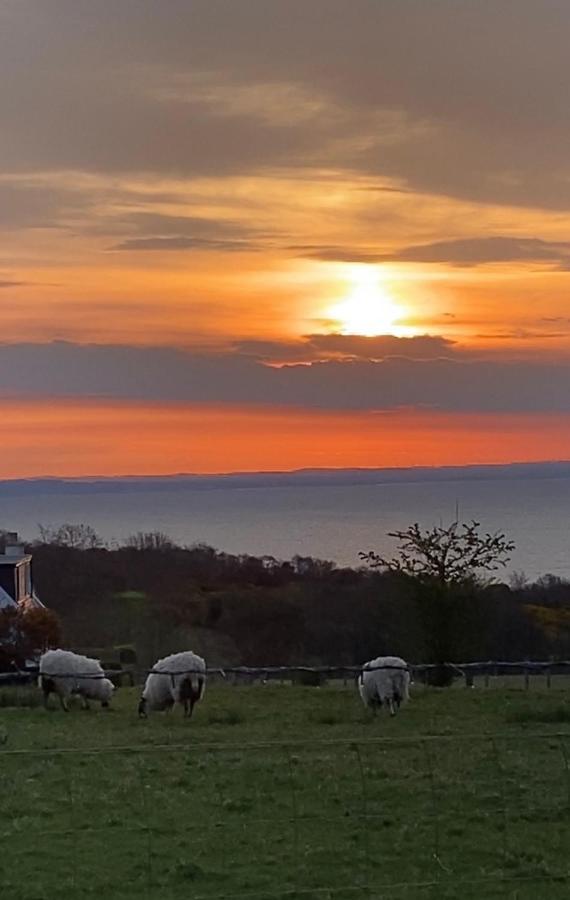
{"x":65,"y":673}
{"x":384,"y":681}
{"x":179,"y":678}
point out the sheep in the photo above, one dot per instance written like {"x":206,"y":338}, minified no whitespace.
{"x":65,"y":673}
{"x":384,"y":681}
{"x":179,"y":678}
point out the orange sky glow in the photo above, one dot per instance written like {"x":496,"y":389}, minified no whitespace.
{"x":109,"y":439}
{"x":226,"y":262}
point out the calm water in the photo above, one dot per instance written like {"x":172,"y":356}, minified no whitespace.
{"x":323,"y":521}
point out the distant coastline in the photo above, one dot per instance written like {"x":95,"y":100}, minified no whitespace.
{"x":328,"y":477}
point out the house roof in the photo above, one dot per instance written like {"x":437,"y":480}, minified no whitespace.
{"x":6,"y":601}
{"x":14,"y":560}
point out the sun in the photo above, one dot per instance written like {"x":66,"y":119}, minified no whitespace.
{"x":368,"y":309}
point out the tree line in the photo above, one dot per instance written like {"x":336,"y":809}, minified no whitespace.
{"x":433,"y":602}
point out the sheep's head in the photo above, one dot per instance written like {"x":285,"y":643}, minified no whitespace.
{"x":107,"y":688}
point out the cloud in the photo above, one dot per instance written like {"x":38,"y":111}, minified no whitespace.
{"x":163,"y":224}
{"x":215,"y":88}
{"x":350,"y":253}
{"x":422,"y":346}
{"x":185,"y":243}
{"x":457,"y":252}
{"x":173,"y":376}
{"x":346,"y":346}
{"x":476,"y":251}
{"x":28,"y":205}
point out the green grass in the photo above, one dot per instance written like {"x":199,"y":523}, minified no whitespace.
{"x":289,"y":792}
{"x":15,"y":696}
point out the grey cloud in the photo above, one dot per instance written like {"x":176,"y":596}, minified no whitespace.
{"x":276,"y":351}
{"x":158,"y":231}
{"x":156,"y":223}
{"x":422,"y":346}
{"x":35,"y":206}
{"x":459,"y":252}
{"x":338,"y":254}
{"x":184,"y":243}
{"x":315,"y":347}
{"x":82,"y":85}
{"x":474,"y":251}
{"x":164,"y":375}
{"x":346,"y":346}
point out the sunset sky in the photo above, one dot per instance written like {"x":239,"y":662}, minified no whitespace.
{"x":268,"y":234}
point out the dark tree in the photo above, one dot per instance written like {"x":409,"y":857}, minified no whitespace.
{"x":76,"y":536}
{"x":452,"y":555}
{"x":447,"y":567}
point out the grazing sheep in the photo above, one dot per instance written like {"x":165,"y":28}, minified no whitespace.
{"x":65,"y":673}
{"x":384,"y":681}
{"x":179,"y":678}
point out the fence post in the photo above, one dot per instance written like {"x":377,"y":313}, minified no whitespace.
{"x":548,"y":678}
{"x":526,"y":678}
{"x":487,"y":677}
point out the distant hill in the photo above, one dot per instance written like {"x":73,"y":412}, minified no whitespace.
{"x":313,"y":477}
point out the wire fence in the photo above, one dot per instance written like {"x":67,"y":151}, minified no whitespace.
{"x":405,"y":818}
{"x":468,"y":672}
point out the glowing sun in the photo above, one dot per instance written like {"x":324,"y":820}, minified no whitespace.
{"x":368,"y":308}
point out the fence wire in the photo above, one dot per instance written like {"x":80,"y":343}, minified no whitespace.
{"x":483,"y":816}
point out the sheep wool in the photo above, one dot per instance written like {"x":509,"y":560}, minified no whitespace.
{"x":65,"y":673}
{"x":384,"y":681}
{"x":179,"y":678}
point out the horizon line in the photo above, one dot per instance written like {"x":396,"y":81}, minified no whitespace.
{"x":304,"y":470}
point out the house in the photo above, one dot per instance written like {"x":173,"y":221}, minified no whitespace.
{"x":16,"y":586}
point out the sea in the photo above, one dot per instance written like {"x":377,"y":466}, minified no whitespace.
{"x":328,"y":521}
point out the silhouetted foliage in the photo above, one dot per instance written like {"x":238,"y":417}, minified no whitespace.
{"x":24,"y":633}
{"x":161,"y":597}
{"x":445,"y":565}
{"x":149,"y":540}
{"x":77,"y":536}
{"x":451,"y":555}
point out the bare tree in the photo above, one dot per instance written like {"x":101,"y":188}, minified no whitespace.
{"x":451,"y":555}
{"x":446,"y":569}
{"x":149,"y":540}
{"x":77,"y":536}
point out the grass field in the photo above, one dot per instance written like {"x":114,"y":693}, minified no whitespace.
{"x":280,"y":791}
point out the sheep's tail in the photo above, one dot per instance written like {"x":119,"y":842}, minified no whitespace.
{"x":402,"y":680}
{"x":198,"y":684}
